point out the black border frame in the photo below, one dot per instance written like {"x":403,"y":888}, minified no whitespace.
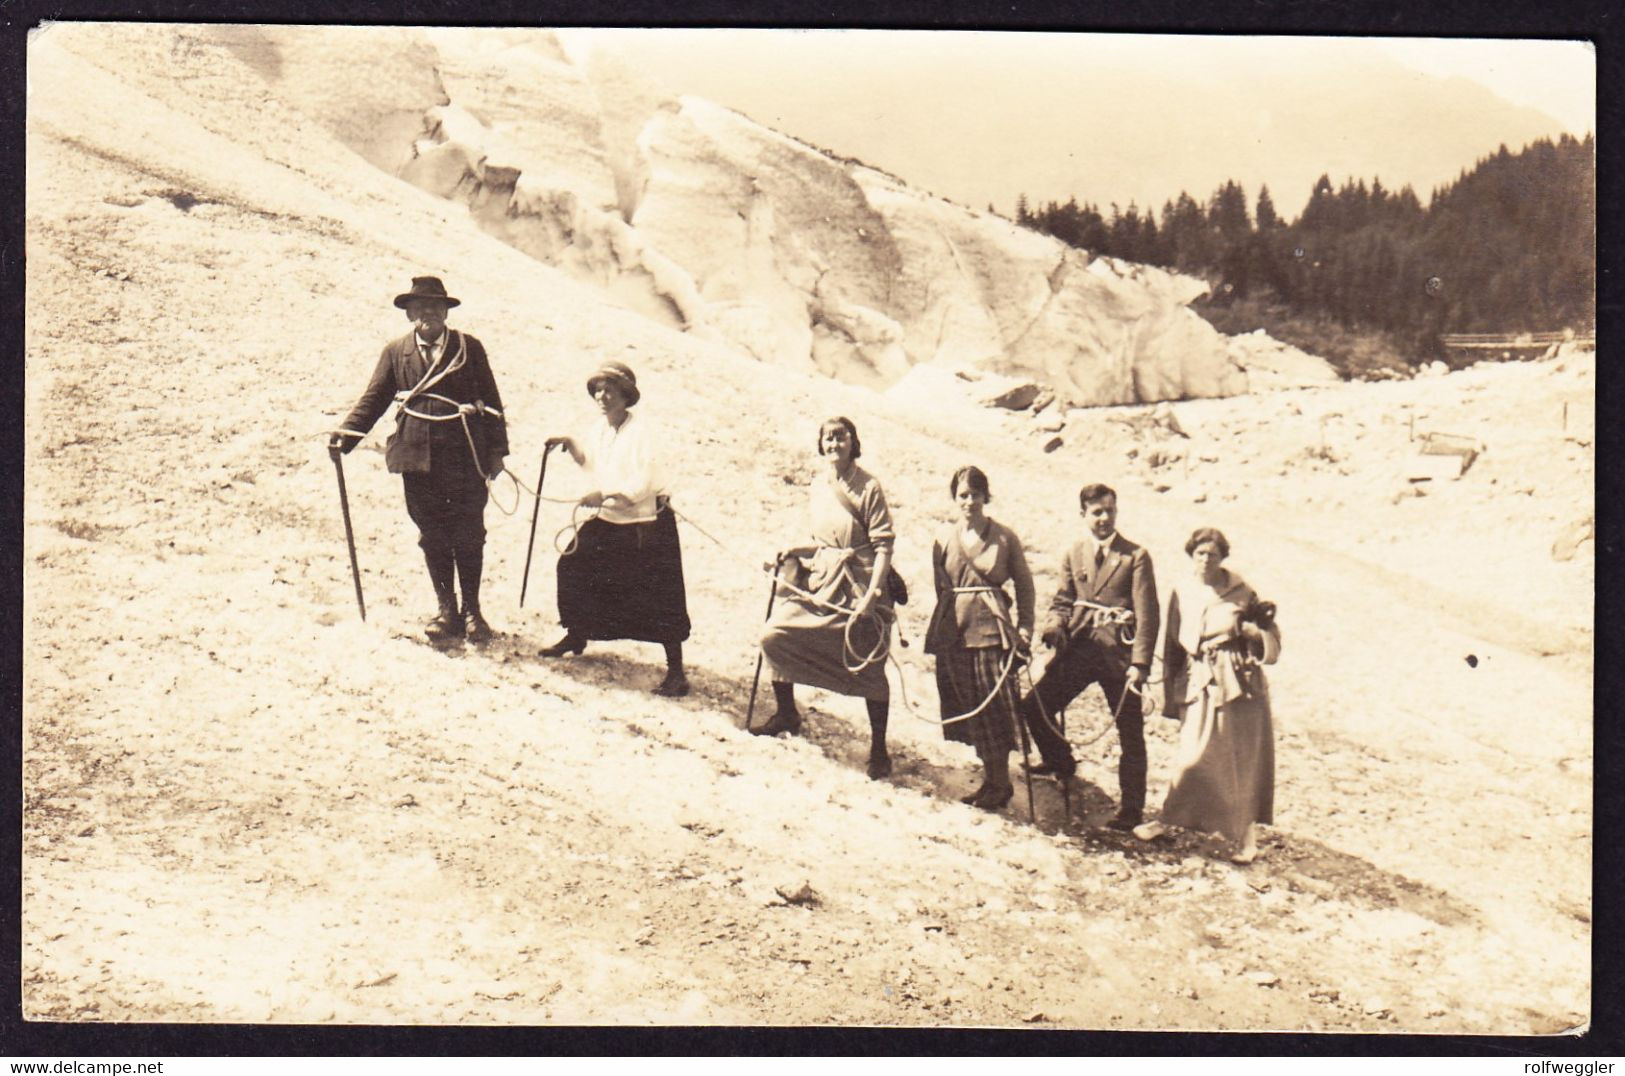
{"x":1588,"y":20}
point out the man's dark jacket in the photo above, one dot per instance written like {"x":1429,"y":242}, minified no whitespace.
{"x":1123,"y":581}
{"x":417,"y":444}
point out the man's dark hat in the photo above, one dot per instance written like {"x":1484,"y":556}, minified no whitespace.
{"x":425,"y":287}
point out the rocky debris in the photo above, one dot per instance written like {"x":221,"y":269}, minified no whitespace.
{"x":1163,"y":418}
{"x":799,"y":896}
{"x":1014,"y":397}
{"x":1572,"y":537}
{"x":1443,"y":456}
{"x":1271,"y":364}
{"x":1303,"y":883}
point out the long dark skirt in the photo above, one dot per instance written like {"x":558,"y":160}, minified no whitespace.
{"x":964,"y":679}
{"x":625,"y":581}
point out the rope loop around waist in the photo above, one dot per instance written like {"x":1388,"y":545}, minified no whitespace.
{"x":1097,"y":615}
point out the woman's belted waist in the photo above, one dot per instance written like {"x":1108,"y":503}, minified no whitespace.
{"x":997,"y":601}
{"x":828,"y":561}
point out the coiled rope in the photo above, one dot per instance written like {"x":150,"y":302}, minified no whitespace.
{"x":1007,"y":630}
{"x":880,"y":652}
{"x":460,"y":412}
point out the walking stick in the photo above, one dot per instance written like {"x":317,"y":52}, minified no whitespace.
{"x":530,"y":547}
{"x":1064,"y":781}
{"x":755,"y":681}
{"x":1026,"y":753}
{"x":349,"y":534}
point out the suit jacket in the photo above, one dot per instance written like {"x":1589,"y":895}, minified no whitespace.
{"x":417,"y":443}
{"x":1124,"y":581}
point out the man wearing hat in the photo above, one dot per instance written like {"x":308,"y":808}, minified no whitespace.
{"x":449,"y":437}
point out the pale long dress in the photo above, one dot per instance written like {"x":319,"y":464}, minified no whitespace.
{"x":1225,"y":772}
{"x":803,"y":641}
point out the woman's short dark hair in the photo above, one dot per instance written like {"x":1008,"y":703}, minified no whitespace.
{"x":973,"y":479}
{"x":851,"y":431}
{"x":1095,"y":491}
{"x":1207,"y":534}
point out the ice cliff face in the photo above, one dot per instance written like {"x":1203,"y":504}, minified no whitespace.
{"x":700,"y":218}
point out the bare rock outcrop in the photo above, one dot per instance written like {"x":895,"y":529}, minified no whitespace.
{"x":1271,"y":364}
{"x":699,"y":218}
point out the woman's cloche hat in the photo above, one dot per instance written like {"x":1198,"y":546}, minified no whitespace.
{"x":621,"y":374}
{"x":426,"y":287}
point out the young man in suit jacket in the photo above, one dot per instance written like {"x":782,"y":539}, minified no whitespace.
{"x":1107,"y":591}
{"x":438,"y":381}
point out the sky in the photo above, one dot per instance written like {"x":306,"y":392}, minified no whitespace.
{"x":1557,"y":77}
{"x":980,"y":116}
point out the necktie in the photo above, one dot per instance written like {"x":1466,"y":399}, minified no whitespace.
{"x":1100,"y":556}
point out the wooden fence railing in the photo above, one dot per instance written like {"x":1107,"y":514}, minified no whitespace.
{"x":1512,"y":341}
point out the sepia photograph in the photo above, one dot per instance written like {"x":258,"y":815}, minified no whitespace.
{"x":765,"y":528}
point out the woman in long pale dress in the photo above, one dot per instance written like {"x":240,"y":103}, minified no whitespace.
{"x":973,"y":633}
{"x":807,"y":640}
{"x":1216,"y":644}
{"x":624,"y":578}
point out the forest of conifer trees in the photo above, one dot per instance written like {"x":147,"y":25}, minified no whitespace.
{"x":1510,"y":246}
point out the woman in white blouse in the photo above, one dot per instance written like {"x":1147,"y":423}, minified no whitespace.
{"x":624,"y":579}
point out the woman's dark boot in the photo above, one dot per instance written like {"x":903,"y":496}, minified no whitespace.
{"x":975,"y":798}
{"x":570,"y":644}
{"x":879,"y":761}
{"x":786,"y":718}
{"x":997,"y":790}
{"x":675,"y":685}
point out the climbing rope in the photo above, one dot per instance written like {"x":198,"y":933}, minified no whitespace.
{"x":460,"y":412}
{"x":879,"y":653}
{"x":1098,"y":614}
{"x":572,"y":528}
{"x":1007,"y":631}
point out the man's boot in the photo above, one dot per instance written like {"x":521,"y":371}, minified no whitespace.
{"x":446,"y":624}
{"x":470,"y":562}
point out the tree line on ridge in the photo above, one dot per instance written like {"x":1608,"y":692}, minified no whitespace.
{"x":1366,"y":274}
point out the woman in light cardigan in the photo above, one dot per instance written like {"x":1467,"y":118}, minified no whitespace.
{"x":624,"y":579}
{"x":845,"y":567}
{"x":1213,"y":678}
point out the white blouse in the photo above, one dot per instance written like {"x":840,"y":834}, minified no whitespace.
{"x":626,"y":462}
